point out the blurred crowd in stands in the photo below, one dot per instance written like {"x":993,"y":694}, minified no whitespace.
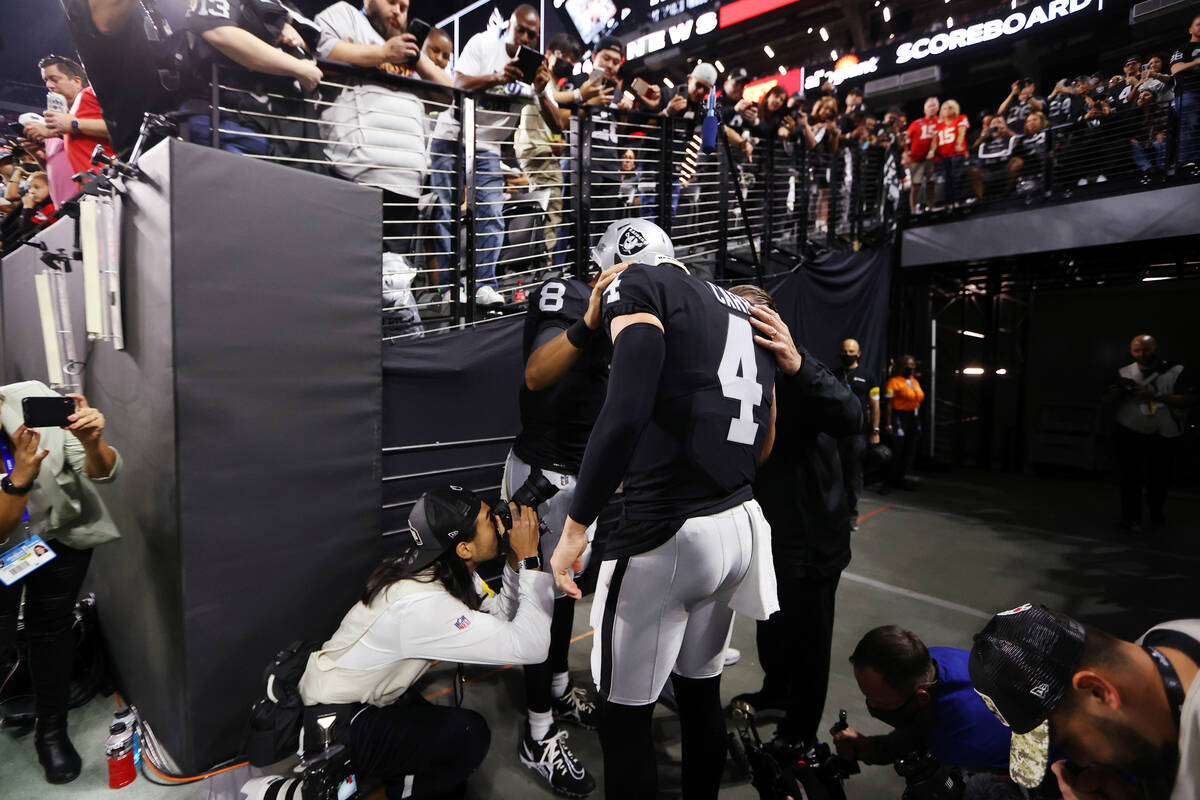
{"x":532,"y":120}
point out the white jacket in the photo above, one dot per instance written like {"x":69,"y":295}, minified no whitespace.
{"x":379,"y":131}
{"x":381,"y":649}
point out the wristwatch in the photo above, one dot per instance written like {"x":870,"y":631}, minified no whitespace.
{"x":8,"y":487}
{"x":532,"y":563}
{"x":74,"y":126}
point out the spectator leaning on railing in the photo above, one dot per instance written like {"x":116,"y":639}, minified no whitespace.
{"x":487,"y":64}
{"x":252,"y":34}
{"x":1157,"y":80}
{"x":1185,"y":68}
{"x":1131,"y":75}
{"x":375,"y":133}
{"x":69,"y":136}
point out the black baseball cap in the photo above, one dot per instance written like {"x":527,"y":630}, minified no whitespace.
{"x":739,"y":75}
{"x":1021,"y":665}
{"x":610,"y":43}
{"x":440,"y":519}
{"x":1134,"y":57}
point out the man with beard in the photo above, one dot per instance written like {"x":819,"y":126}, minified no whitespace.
{"x":376,"y":132}
{"x":1115,"y":708}
{"x":925,"y":695}
{"x":1151,"y":398}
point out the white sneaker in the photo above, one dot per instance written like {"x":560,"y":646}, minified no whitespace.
{"x":732,"y":656}
{"x":487,"y":296}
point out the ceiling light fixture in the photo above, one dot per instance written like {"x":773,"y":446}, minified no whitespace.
{"x":767,"y":49}
{"x":824,"y":34}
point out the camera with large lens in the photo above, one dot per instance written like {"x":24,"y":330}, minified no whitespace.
{"x":536,"y":490}
{"x":926,"y":779}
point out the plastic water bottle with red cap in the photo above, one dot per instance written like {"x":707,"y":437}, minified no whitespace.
{"x":119,"y":750}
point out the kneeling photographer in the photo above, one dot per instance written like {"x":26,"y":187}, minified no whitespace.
{"x":945,"y":742}
{"x":428,"y":604}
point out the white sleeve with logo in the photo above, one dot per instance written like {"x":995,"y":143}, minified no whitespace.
{"x":440,"y":627}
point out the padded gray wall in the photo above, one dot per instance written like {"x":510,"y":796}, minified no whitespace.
{"x":24,"y":358}
{"x":1156,"y":214}
{"x":247,"y":406}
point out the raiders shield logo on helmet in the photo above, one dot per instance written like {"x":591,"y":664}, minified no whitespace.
{"x":631,"y":242}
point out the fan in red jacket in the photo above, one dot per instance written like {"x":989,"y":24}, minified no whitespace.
{"x":951,"y":151}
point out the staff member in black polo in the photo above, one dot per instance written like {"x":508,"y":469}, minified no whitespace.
{"x":852,"y":448}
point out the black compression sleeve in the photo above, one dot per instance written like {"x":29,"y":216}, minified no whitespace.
{"x":637,"y":360}
{"x":579,"y":334}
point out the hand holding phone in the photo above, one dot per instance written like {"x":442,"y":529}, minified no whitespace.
{"x":420,"y":29}
{"x":47,"y":412}
{"x":640,"y":87}
{"x":529,"y":61}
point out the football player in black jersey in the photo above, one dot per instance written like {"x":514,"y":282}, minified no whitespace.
{"x":566,"y":370}
{"x":687,"y":419}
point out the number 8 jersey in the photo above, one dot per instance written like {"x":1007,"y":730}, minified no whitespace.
{"x":712,"y":411}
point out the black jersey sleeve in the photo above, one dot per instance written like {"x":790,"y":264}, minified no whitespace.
{"x":634,"y":291}
{"x":263,"y":18}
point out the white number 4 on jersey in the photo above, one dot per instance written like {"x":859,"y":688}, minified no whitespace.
{"x":738,"y":373}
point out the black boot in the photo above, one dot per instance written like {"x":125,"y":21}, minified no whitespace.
{"x":55,"y":752}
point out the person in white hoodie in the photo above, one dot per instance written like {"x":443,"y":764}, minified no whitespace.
{"x":425,"y":605}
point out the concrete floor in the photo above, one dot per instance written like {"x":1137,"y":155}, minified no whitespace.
{"x":938,"y":560}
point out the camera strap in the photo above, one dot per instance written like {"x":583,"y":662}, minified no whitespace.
{"x":1170,"y":680}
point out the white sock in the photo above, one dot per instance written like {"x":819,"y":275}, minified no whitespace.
{"x":539,"y":724}
{"x":559,"y":684}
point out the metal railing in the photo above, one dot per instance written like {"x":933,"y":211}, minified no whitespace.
{"x":1108,"y":150}
{"x":486,"y":197}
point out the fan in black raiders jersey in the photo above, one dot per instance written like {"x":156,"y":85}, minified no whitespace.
{"x":566,"y":371}
{"x":687,"y":419}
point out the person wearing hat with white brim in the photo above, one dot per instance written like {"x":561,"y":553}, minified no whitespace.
{"x":1126,"y":714}
{"x":424,"y":605}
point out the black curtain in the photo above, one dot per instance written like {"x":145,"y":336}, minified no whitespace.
{"x":444,"y":388}
{"x":837,"y":295}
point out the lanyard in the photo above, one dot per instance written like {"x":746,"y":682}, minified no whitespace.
{"x":1170,"y":680}
{"x":10,"y":463}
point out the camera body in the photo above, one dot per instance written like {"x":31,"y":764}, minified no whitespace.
{"x":926,"y":779}
{"x":536,"y":490}
{"x":330,"y":776}
{"x":779,"y":770}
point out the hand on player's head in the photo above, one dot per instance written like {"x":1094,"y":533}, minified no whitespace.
{"x":774,"y":335}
